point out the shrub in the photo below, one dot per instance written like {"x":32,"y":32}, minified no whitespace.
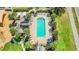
{"x":13,"y":31}
{"x":18,"y":18}
{"x":28,"y":16}
{"x":59,"y":10}
{"x":53,"y":15}
{"x":42,"y":11}
{"x":28,"y":46}
{"x":55,"y":34}
{"x":13,"y":24}
{"x":18,"y":37}
{"x":49,"y":11}
{"x":26,"y":31}
{"x":12,"y":16}
{"x":21,"y":9}
{"x":32,"y":12}
{"x":53,"y":24}
{"x":10,"y":25}
{"x":50,"y":47}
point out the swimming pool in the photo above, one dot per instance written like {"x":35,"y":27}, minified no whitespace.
{"x":40,"y":27}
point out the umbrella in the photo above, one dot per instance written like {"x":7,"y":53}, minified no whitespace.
{"x":50,"y":40}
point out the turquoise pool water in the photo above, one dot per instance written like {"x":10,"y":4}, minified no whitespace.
{"x":40,"y":27}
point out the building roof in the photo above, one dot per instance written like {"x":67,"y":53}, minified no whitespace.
{"x":5,"y":35}
{"x":24,"y":23}
{"x":1,"y":15}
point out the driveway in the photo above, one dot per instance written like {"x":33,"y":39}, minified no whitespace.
{"x":75,"y":34}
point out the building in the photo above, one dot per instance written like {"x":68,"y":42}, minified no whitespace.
{"x":2,"y":14}
{"x":24,"y":23}
{"x":5,"y":35}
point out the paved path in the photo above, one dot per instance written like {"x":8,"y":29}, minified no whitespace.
{"x":18,"y":22}
{"x":40,"y":48}
{"x":22,"y":43}
{"x":77,"y":12}
{"x":73,"y":28}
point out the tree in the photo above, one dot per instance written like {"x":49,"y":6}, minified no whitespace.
{"x":59,"y":10}
{"x":18,"y":37}
{"x":28,"y":46}
{"x":55,"y":34}
{"x":28,"y":16}
{"x":53,"y":16}
{"x":50,"y":47}
{"x":54,"y":24}
{"x":13,"y":31}
{"x":26,"y":31}
{"x":12,"y":16}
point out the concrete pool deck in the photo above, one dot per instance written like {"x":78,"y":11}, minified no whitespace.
{"x":33,"y":30}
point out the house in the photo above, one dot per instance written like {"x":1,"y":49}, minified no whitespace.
{"x":1,"y":17}
{"x":8,"y":9}
{"x":5,"y":35}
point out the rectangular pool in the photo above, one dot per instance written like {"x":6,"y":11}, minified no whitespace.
{"x":40,"y":27}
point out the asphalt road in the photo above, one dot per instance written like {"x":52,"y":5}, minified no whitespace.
{"x":77,"y":12}
{"x":75,"y":34}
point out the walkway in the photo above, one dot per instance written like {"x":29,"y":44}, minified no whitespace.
{"x":40,"y":48}
{"x":22,"y":44}
{"x":18,"y":21}
{"x":73,"y":28}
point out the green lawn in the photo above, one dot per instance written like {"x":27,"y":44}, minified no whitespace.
{"x":76,"y":20}
{"x":12,"y":47}
{"x":65,"y":40}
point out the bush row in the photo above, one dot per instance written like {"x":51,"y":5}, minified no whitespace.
{"x":21,"y":9}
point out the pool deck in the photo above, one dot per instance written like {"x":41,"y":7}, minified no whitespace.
{"x":33,"y":30}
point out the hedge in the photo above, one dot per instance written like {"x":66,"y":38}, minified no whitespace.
{"x":21,"y":9}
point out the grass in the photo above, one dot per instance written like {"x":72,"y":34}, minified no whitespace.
{"x":65,"y":40}
{"x":76,"y":20}
{"x":1,"y":49}
{"x":11,"y":47}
